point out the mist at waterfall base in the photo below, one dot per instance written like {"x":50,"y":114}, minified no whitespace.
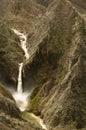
{"x":21,"y":98}
{"x":22,"y":94}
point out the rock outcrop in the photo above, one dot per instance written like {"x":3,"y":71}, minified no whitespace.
{"x":10,"y":116}
{"x":59,"y":70}
{"x":10,"y":55}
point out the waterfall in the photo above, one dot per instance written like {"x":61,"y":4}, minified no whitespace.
{"x":19,"y":86}
{"x":20,"y":96}
{"x":23,"y":40}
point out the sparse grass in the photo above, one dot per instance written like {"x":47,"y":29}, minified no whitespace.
{"x":80,"y":5}
{"x":32,"y":119}
{"x":70,"y":127}
{"x":10,"y":52}
{"x":21,"y":23}
{"x":35,"y":101}
{"x":34,"y":104}
{"x":5,"y":92}
{"x":28,"y":115}
{"x":35,"y":91}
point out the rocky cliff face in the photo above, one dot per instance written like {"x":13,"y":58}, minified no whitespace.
{"x":21,"y":15}
{"x":59,"y":67}
{"x":44,"y":2}
{"x":10,"y":54}
{"x":57,"y":45}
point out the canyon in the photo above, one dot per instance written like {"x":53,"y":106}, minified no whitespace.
{"x":43,"y":65}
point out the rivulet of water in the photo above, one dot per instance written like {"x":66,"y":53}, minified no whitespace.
{"x":19,"y":86}
{"x":20,"y":96}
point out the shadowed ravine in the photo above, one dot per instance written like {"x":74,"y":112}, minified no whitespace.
{"x":22,"y":98}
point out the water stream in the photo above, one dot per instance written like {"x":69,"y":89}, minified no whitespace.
{"x":40,"y":121}
{"x":22,"y":98}
{"x":19,"y":86}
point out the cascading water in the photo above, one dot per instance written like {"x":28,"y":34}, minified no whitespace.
{"x":20,"y":96}
{"x":19,"y":87}
{"x":23,"y":44}
{"x":23,"y":39}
